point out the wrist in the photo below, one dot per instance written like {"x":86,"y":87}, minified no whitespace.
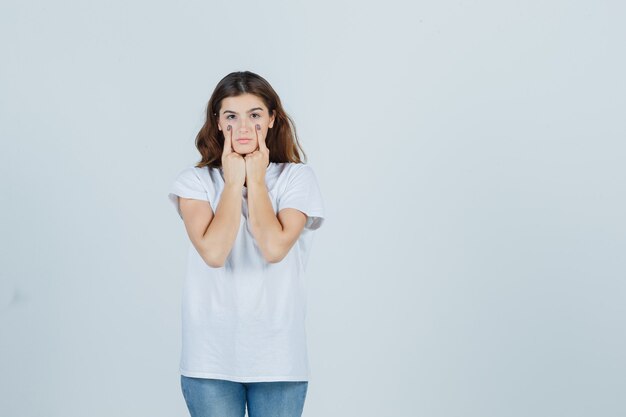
{"x":232,"y":188}
{"x":256,"y":184}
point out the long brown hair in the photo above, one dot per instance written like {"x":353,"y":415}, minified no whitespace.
{"x":281,"y":140}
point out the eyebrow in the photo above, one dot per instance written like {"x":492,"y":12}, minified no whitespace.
{"x":230,"y":111}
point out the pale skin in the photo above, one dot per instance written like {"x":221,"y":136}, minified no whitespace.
{"x":214,"y":234}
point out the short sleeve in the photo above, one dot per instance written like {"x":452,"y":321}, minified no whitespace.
{"x":303,"y":193}
{"x":187,"y":185}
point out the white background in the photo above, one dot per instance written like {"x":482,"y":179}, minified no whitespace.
{"x":471,"y":158}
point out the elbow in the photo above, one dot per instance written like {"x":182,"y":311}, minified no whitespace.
{"x":274,"y":259}
{"x":214,"y":261}
{"x":274,"y":255}
{"x":214,"y":264}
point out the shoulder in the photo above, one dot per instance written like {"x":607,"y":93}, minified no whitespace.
{"x":188,"y":172}
{"x":298,"y":177}
{"x":299,"y":170}
{"x":204,"y":175}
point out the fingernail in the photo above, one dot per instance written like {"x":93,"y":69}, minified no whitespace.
{"x":258,"y":127}
{"x":228,"y":127}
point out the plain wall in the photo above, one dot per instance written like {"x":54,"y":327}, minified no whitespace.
{"x":471,"y":158}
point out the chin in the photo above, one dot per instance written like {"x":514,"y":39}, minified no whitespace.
{"x":244,"y":151}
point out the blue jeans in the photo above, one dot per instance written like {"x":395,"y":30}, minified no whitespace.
{"x":220,"y":398}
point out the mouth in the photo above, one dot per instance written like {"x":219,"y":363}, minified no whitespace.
{"x":244,"y":140}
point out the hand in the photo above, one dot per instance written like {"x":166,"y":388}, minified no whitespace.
{"x":257,"y":161}
{"x":233,"y":164}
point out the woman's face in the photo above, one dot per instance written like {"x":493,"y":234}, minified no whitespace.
{"x":243,"y":113}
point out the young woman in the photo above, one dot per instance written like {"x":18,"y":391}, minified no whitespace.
{"x":250,"y":208}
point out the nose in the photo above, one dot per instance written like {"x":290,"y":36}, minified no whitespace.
{"x":243,"y":125}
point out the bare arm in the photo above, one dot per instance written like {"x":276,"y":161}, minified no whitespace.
{"x":213,"y":235}
{"x":274,"y":235}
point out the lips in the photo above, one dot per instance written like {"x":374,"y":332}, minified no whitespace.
{"x":243,"y":140}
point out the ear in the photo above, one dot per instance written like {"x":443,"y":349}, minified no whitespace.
{"x":272,"y":119}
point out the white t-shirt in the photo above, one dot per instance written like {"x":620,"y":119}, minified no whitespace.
{"x":245,"y":321}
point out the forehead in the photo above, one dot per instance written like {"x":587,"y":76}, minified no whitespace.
{"x":243,"y":102}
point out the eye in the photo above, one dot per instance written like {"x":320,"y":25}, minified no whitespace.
{"x":257,"y":115}
{"x":229,"y":116}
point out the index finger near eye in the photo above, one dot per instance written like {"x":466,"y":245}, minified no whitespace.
{"x":228,"y":140}
{"x":260,"y":138}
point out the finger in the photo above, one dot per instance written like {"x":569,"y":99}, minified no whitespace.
{"x":228,"y":140}
{"x":260,"y":139}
